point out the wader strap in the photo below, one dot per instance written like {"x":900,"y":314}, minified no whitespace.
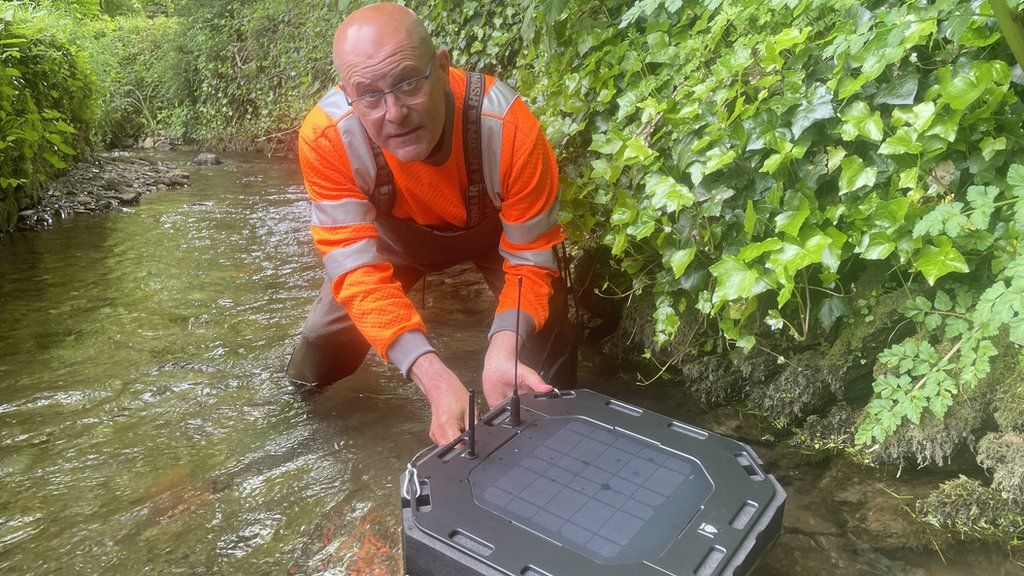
{"x":478,"y":203}
{"x":383,"y":194}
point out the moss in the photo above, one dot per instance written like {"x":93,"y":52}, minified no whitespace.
{"x":1003,"y":455}
{"x":831,"y":431}
{"x":808,"y":385}
{"x":1009,"y":401}
{"x":974,"y":510}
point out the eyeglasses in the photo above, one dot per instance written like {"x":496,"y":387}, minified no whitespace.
{"x":411,"y":91}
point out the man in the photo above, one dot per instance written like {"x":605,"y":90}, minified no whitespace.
{"x":413,"y":166}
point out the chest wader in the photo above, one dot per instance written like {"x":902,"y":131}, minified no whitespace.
{"x":331,"y":348}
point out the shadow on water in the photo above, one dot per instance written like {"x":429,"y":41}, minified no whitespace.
{"x":147,"y":427}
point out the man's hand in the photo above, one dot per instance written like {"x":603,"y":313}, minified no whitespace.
{"x":499,"y":365}
{"x":449,"y":399}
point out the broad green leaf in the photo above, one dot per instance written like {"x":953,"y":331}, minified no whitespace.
{"x":904,"y":141}
{"x":908,"y":178}
{"x":749,"y":218}
{"x":876,"y":246}
{"x":605,"y":144}
{"x":751,"y":251}
{"x":899,"y":91}
{"x":831,"y":309}
{"x":855,"y":176}
{"x":681,"y":259}
{"x":989,"y":146}
{"x":668,"y":194}
{"x":735,"y":280}
{"x":859,"y":120}
{"x":961,"y":91}
{"x":790,"y":37}
{"x":816,"y":107}
{"x":792,"y":257}
{"x":791,"y":221}
{"x":636,"y":152}
{"x":919,"y":117}
{"x":941,"y":259}
{"x":717,"y":159}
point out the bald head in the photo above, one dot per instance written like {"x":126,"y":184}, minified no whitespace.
{"x":374,"y":29}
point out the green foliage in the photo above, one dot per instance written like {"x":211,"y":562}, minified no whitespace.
{"x":46,"y":104}
{"x":746,"y":157}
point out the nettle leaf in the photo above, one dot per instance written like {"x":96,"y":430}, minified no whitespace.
{"x":982,"y":201}
{"x":945,"y":218}
{"x":791,"y":221}
{"x":989,"y":146}
{"x":855,"y":176}
{"x":904,"y":141}
{"x":859,"y":120}
{"x":666,"y":193}
{"x":941,"y":259}
{"x":735,"y":280}
{"x":681,"y":260}
{"x":816,"y":107}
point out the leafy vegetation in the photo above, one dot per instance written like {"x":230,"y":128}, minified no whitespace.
{"x":46,"y":104}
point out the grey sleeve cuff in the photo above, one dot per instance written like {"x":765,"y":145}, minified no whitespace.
{"x":506,"y":320}
{"x":407,"y":348}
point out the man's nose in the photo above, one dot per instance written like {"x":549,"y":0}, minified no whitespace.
{"x":394,"y":109}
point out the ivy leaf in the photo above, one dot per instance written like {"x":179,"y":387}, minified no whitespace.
{"x":900,"y":91}
{"x":717,"y":159}
{"x":749,"y":218}
{"x":989,"y":146}
{"x":751,"y":251}
{"x":876,"y":246}
{"x":791,"y":221}
{"x":982,"y":201}
{"x":941,"y":259}
{"x":831,"y":309}
{"x":817,"y":107}
{"x":792,"y":257}
{"x":919,"y":117}
{"x":904,"y":141}
{"x":605,"y":144}
{"x":681,"y":259}
{"x":735,"y":280}
{"x":668,"y":194}
{"x":962,"y":91}
{"x":855,"y":175}
{"x":858,"y":120}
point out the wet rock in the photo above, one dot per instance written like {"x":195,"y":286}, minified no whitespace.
{"x":808,"y":385}
{"x":831,"y":431}
{"x":148,"y":143}
{"x":206,"y":159}
{"x":103,"y":184}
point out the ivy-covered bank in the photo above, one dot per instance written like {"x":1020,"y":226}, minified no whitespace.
{"x":815,"y":207}
{"x":826,"y":197}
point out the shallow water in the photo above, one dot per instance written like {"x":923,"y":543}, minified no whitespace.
{"x":146,"y":426}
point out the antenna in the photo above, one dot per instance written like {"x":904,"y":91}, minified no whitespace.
{"x":513,"y":406}
{"x":471,"y":432}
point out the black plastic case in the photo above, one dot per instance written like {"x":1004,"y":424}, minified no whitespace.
{"x":588,"y":485}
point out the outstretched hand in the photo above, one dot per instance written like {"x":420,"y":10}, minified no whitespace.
{"x":449,"y":399}
{"x":499,"y":370}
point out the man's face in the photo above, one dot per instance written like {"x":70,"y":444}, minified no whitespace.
{"x":407,"y":130}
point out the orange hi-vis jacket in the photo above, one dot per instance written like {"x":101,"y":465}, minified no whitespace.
{"x":522,"y":180}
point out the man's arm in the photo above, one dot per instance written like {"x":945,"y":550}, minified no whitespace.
{"x":363,"y":282}
{"x":529,"y":216}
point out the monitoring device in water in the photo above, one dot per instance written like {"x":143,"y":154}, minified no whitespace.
{"x":587,"y":485}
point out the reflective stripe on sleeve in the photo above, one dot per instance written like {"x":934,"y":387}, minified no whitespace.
{"x":343,"y":260}
{"x":343,"y":213}
{"x":506,"y":320}
{"x":539,"y":258}
{"x":360,"y":156}
{"x":334,"y":103}
{"x":407,"y":348}
{"x":527,"y":232}
{"x":496,"y":103}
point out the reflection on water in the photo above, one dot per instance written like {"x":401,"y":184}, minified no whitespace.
{"x":145,"y":422}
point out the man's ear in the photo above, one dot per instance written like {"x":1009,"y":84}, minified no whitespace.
{"x":443,"y":61}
